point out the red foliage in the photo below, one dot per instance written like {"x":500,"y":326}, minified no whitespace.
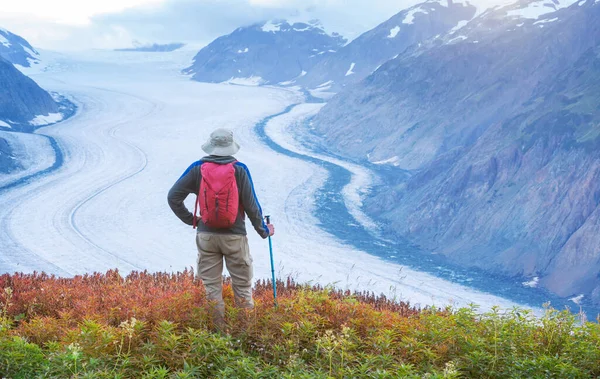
{"x":110,"y":297}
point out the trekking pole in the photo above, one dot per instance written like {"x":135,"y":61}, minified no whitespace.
{"x":272,"y":266}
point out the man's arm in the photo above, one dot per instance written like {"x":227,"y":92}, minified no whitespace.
{"x":181,"y":189}
{"x":250,"y":202}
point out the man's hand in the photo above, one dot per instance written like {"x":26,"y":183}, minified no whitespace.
{"x":271,"y":229}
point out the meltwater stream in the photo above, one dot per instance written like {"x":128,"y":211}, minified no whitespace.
{"x":335,"y":219}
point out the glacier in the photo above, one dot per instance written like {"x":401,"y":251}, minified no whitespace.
{"x":139,"y":124}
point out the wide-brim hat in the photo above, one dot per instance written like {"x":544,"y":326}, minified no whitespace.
{"x":221,"y":143}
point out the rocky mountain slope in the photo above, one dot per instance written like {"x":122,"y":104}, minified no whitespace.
{"x":22,"y":100}
{"x":498,"y":125}
{"x":17,"y":50}
{"x":271,"y":52}
{"x":369,"y":51}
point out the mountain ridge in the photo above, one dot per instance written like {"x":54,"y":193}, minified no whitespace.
{"x":16,"y":49}
{"x":486,"y":128}
{"x":265,"y":53}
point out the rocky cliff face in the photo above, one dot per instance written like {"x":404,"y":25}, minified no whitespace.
{"x":21,"y":100}
{"x":369,"y":51}
{"x":499,"y":126}
{"x":272,"y":52}
{"x":17,"y":50}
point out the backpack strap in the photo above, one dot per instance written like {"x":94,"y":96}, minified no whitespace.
{"x":196,"y":218}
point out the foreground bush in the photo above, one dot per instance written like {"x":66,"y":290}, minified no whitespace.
{"x":157,"y":326}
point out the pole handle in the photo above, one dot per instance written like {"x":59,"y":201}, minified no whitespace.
{"x":268,"y":218}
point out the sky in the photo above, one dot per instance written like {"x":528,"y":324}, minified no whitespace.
{"x":103,"y":24}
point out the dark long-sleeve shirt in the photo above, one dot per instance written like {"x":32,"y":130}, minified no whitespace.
{"x":189,"y":183}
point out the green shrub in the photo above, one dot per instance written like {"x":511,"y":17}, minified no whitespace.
{"x":314,"y":333}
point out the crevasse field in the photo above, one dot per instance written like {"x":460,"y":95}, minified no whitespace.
{"x":139,"y":125}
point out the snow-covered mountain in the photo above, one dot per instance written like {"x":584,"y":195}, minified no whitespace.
{"x":271,"y":52}
{"x":23,"y":104}
{"x":497,"y":126}
{"x":17,"y":50}
{"x":369,"y":51}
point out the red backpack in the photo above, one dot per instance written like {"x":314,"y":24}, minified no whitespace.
{"x":218,"y":196}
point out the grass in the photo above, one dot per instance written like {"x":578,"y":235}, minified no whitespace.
{"x":157,"y":326}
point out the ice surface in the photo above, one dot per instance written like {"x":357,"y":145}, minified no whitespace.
{"x":350,"y":70}
{"x":33,"y":152}
{"x":46,"y":119}
{"x":140,"y":125}
{"x":394,"y":32}
{"x":410,"y":16}
{"x":352,"y":268}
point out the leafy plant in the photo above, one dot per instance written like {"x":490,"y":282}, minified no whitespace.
{"x":157,"y":326}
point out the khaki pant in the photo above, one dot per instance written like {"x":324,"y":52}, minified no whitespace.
{"x":212,"y":248}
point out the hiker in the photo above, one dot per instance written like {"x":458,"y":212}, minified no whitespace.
{"x":225,"y":194}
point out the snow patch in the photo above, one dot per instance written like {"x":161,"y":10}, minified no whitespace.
{"x":304,"y":29}
{"x":458,"y":26}
{"x":394,"y":32}
{"x":327,"y":83}
{"x":4,"y":124}
{"x":51,"y":118}
{"x":290,"y":82}
{"x":4,"y":41}
{"x":546,"y":21}
{"x":29,"y":51}
{"x":533,"y":283}
{"x":577,"y":299}
{"x":350,"y":72}
{"x":539,"y":8}
{"x":458,"y":38}
{"x":410,"y":16}
{"x":249,"y":81}
{"x":393,"y":161}
{"x":243,"y":51}
{"x":270,"y":27}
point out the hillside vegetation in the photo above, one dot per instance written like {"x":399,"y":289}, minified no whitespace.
{"x":157,"y":326}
